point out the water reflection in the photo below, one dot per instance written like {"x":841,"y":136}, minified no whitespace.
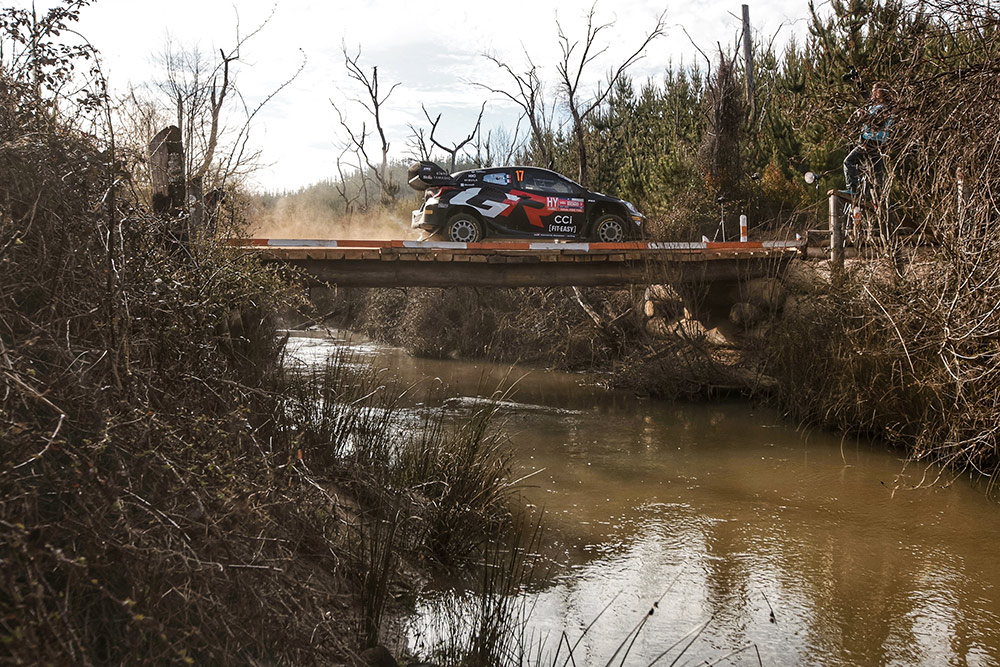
{"x":730,"y":514}
{"x":749,"y":519}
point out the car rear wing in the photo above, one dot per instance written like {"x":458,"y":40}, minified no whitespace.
{"x":426,"y":174}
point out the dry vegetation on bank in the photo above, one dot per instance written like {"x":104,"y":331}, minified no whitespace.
{"x":541,"y":326}
{"x":168,"y":492}
{"x":910,"y":350}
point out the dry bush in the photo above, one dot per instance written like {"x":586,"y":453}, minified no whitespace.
{"x":159,"y":499}
{"x":144,"y":517}
{"x":910,"y":350}
{"x":165,"y":492}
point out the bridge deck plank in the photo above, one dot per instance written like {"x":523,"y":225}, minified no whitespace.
{"x":376,"y":264}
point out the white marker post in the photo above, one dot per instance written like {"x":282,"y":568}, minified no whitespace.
{"x":744,"y":229}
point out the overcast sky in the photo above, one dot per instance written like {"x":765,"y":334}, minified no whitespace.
{"x":432,"y":48}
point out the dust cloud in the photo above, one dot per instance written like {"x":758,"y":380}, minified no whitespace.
{"x":294,"y":220}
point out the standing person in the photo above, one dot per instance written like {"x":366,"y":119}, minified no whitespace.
{"x":874,"y":136}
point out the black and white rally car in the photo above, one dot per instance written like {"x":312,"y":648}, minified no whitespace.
{"x":517,"y":201}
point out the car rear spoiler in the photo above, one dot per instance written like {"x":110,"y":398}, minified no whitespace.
{"x":426,"y":174}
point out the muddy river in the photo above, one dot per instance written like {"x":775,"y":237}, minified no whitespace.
{"x":816,"y":549}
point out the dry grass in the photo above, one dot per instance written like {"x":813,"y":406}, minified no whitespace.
{"x":908,"y":350}
{"x":167,"y":492}
{"x":544,"y":326}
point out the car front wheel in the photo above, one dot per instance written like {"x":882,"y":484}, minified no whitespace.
{"x":464,"y":228}
{"x":609,"y":228}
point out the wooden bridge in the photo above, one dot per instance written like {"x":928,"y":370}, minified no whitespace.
{"x":350,"y":263}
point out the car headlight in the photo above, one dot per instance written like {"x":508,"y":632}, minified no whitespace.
{"x":634,"y":211}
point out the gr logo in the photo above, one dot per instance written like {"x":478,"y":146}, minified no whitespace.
{"x":563,"y":220}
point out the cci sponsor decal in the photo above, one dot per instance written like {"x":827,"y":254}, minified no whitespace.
{"x":563,"y":229}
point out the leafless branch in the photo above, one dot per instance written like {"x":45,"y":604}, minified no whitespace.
{"x":456,"y":147}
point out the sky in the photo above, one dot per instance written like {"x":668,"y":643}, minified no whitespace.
{"x":432,"y":49}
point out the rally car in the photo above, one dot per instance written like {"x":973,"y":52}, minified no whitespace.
{"x":517,"y":201}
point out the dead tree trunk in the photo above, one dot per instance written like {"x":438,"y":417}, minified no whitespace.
{"x":166,"y":171}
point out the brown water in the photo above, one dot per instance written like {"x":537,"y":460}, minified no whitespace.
{"x":729,"y":512}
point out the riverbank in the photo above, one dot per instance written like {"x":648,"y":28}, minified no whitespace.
{"x":170,"y":492}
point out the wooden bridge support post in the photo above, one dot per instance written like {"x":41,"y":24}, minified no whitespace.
{"x":836,"y":233}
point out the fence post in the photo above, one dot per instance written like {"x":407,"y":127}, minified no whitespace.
{"x":836,"y":233}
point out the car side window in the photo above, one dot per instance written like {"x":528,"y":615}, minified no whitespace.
{"x":541,"y":181}
{"x":497,"y":178}
{"x":563,"y":187}
{"x":537,"y":181}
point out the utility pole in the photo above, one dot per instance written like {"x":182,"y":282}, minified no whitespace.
{"x":748,"y":61}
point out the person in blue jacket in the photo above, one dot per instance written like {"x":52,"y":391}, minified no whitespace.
{"x":870,"y":148}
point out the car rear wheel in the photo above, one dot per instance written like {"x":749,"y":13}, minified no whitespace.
{"x":464,"y":228}
{"x":609,"y":228}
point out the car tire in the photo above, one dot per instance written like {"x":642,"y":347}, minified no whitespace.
{"x":464,"y":228}
{"x":608,"y":228}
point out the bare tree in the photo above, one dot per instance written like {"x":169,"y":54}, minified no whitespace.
{"x":455,"y":147}
{"x":499,"y":147}
{"x":417,"y":143}
{"x":372,"y":102}
{"x":203,"y":93}
{"x":529,"y":96}
{"x":576,"y":56}
{"x":343,"y":184}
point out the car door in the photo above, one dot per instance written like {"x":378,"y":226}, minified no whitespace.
{"x":500,"y":205}
{"x":486,"y":191}
{"x":552,"y":205}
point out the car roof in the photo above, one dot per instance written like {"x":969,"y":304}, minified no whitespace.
{"x":498,"y":169}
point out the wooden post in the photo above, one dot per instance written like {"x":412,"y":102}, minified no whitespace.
{"x":197,"y":207}
{"x":166,"y":171}
{"x":748,"y":61}
{"x":836,"y":233}
{"x":960,"y":183}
